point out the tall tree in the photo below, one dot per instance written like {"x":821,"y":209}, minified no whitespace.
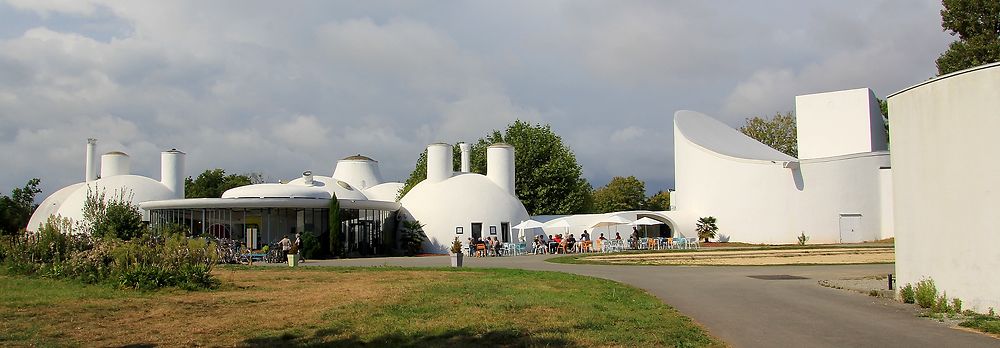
{"x":16,"y":209}
{"x":977,"y":25}
{"x":621,"y":194}
{"x":213,"y":182}
{"x":659,"y":201}
{"x":549,"y":181}
{"x":778,"y":132}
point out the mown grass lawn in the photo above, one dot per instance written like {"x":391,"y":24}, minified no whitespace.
{"x":394,"y":307}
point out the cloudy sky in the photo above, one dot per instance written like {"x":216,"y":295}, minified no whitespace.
{"x":280,"y":87}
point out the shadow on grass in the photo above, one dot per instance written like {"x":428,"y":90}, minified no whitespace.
{"x":450,"y":338}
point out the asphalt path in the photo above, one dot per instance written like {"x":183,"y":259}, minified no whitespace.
{"x":751,"y":312}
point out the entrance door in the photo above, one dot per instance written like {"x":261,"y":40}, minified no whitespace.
{"x":505,"y":231}
{"x":477,"y":230}
{"x":850,"y":228}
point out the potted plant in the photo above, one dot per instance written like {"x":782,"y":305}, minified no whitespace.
{"x":293,"y":256}
{"x":456,"y":253}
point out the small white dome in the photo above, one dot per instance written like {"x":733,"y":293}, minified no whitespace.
{"x":276,"y":191}
{"x":384,"y":192}
{"x":460,"y":201}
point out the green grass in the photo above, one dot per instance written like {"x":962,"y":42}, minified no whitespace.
{"x":380,"y":306}
{"x":984,"y":323}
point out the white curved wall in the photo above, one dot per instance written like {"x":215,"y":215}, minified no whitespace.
{"x":944,"y":141}
{"x":761,"y":201}
{"x":458,"y":202}
{"x":50,"y":206}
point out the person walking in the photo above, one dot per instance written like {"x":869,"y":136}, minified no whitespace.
{"x":298,"y":246}
{"x":286,"y":245}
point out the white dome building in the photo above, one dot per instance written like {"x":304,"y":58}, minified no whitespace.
{"x":260,"y":214}
{"x":465,"y":205}
{"x":115,"y":180}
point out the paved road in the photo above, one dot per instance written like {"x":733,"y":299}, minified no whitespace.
{"x":749,"y":312}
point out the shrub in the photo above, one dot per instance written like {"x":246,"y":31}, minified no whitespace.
{"x":926,"y":293}
{"x":956,"y":304}
{"x":706,"y":227}
{"x":115,"y":216}
{"x":803,"y":238}
{"x":907,"y":293}
{"x":311,"y":249}
{"x":941,"y":305}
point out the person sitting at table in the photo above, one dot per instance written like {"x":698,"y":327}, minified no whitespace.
{"x":584,"y":236}
{"x":497,"y":247}
{"x":602,"y":237}
{"x":618,"y":236}
{"x":480,"y":247}
{"x":570,"y":242}
{"x":538,"y":246}
{"x":552,"y":244}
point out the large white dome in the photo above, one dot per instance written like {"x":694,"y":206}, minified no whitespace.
{"x":460,"y":201}
{"x":136,"y":188}
{"x":343,"y":189}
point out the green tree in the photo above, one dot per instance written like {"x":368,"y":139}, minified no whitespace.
{"x":336,"y":247}
{"x":659,"y":201}
{"x":621,"y":194}
{"x":549,"y":181}
{"x":212,"y":183}
{"x":977,"y":25}
{"x":16,"y":209}
{"x":706,"y":227}
{"x":778,"y":132}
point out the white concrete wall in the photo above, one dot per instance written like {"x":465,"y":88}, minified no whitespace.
{"x":946,"y":186}
{"x":886,"y":203}
{"x":839,"y":123}
{"x":759,"y":200}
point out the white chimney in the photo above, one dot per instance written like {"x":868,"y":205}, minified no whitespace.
{"x":440,"y":164}
{"x":172,"y":171}
{"x":115,"y":163}
{"x":465,"y":156}
{"x":91,"y":168}
{"x":500,"y":166}
{"x":307,"y":178}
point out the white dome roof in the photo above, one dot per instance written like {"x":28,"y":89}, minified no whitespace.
{"x":384,"y":192}
{"x":276,"y":191}
{"x":50,"y":206}
{"x":331,"y":185}
{"x":140,"y":188}
{"x":460,"y":201}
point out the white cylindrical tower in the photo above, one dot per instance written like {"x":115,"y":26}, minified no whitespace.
{"x":358,"y":171}
{"x":465,"y":156}
{"x":91,"y":167}
{"x":439,"y":162}
{"x":500,"y":166}
{"x":172,"y":171}
{"x":115,"y":163}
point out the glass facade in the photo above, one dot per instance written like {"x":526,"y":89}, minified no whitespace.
{"x":364,"y":232}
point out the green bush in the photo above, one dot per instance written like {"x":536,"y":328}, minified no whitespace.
{"x":926,"y":293}
{"x":311,"y":248}
{"x":941,"y":305}
{"x":956,"y":305}
{"x":147,"y":261}
{"x":412,"y":237}
{"x":907,"y":293}
{"x":115,"y":216}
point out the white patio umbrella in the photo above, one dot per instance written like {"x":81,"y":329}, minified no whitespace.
{"x":561,"y":223}
{"x":645,"y":222}
{"x":613,"y":220}
{"x":527,"y":224}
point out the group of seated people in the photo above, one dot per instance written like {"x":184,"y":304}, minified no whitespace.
{"x":482,"y":248}
{"x":555,"y":244}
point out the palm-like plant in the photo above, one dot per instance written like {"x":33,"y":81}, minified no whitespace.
{"x":412,"y":237}
{"x":706,"y":228}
